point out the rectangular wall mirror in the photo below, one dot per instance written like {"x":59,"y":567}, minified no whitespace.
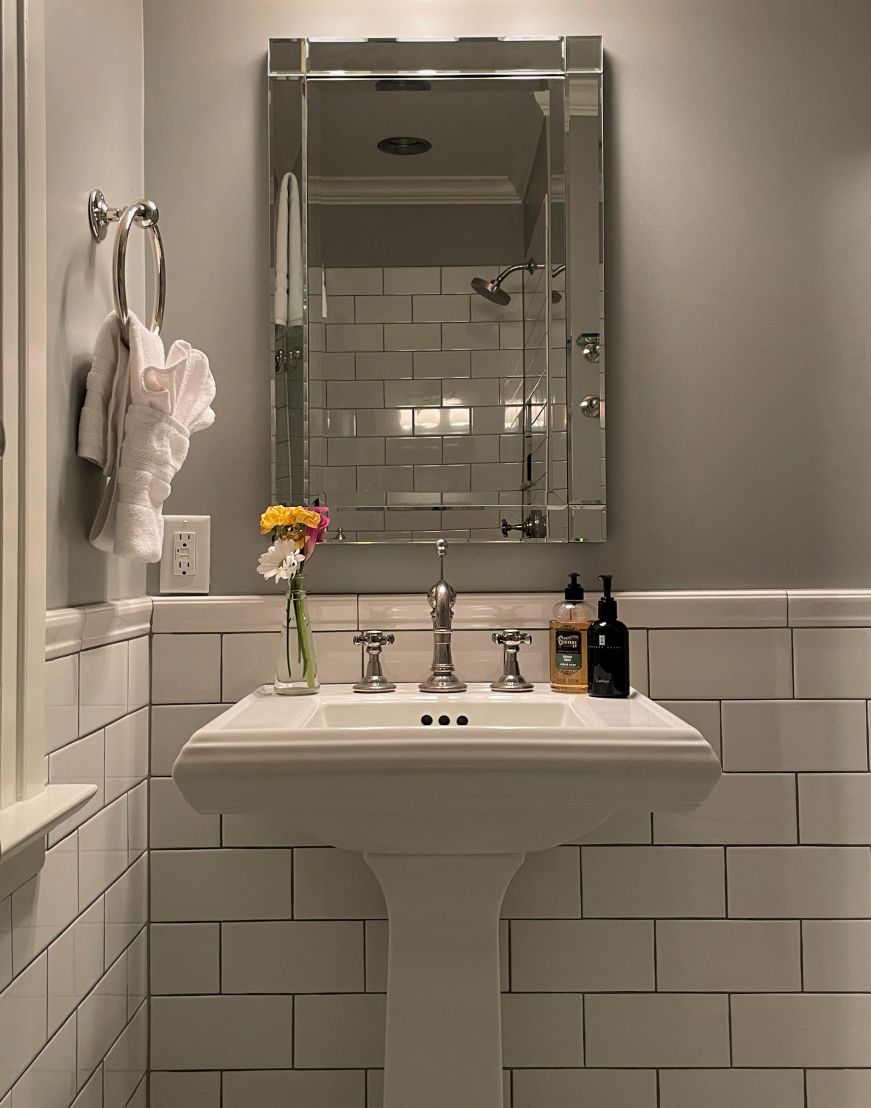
{"x":437,"y":287}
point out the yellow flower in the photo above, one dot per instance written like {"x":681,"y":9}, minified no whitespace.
{"x":277,"y":515}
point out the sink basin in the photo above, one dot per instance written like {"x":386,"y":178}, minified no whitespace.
{"x":524,"y":772}
{"x":444,"y":795}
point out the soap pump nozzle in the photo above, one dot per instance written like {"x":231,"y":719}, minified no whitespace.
{"x":607,"y":603}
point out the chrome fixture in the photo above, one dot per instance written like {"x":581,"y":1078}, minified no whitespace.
{"x":512,"y":680}
{"x":374,"y":681}
{"x":492,"y":290}
{"x":591,"y":406}
{"x":441,"y":601}
{"x":146,"y":214}
{"x":589,"y":344}
{"x":404,"y":145}
{"x":533,"y":526}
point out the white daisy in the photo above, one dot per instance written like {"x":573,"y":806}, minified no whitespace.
{"x":281,"y":562}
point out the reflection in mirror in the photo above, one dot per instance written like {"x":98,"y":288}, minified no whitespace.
{"x":428,"y":317}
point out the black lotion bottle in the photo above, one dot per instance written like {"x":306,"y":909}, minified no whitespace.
{"x":608,"y":648}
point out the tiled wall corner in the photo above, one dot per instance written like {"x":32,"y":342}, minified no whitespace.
{"x":73,"y":939}
{"x":710,"y":960}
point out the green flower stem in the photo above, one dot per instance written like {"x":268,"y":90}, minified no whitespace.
{"x":297,"y":594}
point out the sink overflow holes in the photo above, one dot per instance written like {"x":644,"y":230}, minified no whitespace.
{"x":444,"y":720}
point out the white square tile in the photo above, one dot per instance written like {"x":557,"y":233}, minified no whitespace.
{"x":837,"y":955}
{"x":126,"y":908}
{"x":22,"y":1022}
{"x":704,"y":715}
{"x":61,"y":702}
{"x":639,"y":675}
{"x":309,"y":1088}
{"x":292,"y":957}
{"x":43,"y":907}
{"x":844,"y":1088}
{"x":829,"y":607}
{"x":835,"y":808}
{"x":247,"y":661}
{"x":547,"y":885}
{"x":755,"y":808}
{"x":75,"y":964}
{"x":833,"y":662}
{"x":137,"y":973}
{"x":102,"y":1016}
{"x":383,"y":309}
{"x":174,"y":823}
{"x":657,"y":1030}
{"x":126,"y":1062}
{"x":353,"y":281}
{"x":137,"y":821}
{"x":335,"y":884}
{"x":762,"y":735}
{"x":801,"y":1030}
{"x":799,"y":882}
{"x":183,"y":1090}
{"x":79,"y":763}
{"x":234,"y":1032}
{"x":728,"y":956}
{"x":689,"y":608}
{"x":138,"y":673}
{"x":560,"y":1088}
{"x":171,"y":727}
{"x":262,"y":829}
{"x":412,"y":279}
{"x":724,"y":1088}
{"x":126,"y":753}
{"x":542,"y":1030}
{"x":102,"y":685}
{"x":342,"y":1031}
{"x":102,"y":850}
{"x":192,"y":885}
{"x":652,"y":881}
{"x":579,"y":956}
{"x":185,"y":958}
{"x":51,"y":1079}
{"x":721,"y":664}
{"x":356,"y":336}
{"x":5,"y":942}
{"x":91,"y":1095}
{"x":186,"y":669}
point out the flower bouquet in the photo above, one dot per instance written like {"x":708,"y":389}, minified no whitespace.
{"x":295,"y":533}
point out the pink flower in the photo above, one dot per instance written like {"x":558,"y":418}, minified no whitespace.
{"x":313,"y":535}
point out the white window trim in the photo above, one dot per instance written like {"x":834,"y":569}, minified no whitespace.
{"x":29,"y":807}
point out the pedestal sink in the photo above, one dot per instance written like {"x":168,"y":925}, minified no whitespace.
{"x":444,"y":795}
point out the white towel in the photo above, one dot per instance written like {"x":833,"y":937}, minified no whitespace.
{"x":288,"y":254}
{"x":145,"y":410}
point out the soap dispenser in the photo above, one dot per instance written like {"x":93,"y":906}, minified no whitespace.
{"x":568,"y":640}
{"x":608,"y":648}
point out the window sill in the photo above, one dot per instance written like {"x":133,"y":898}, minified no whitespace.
{"x":24,"y":825}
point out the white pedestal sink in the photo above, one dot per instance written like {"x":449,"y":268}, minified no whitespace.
{"x":444,"y":813}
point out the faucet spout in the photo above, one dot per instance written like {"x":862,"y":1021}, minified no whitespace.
{"x":441,"y":601}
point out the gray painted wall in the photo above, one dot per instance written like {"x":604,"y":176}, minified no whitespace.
{"x":94,"y":117}
{"x":739,"y":282}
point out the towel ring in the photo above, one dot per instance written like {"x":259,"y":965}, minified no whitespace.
{"x":146,"y":214}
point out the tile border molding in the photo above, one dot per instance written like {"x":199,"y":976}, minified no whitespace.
{"x":69,"y":630}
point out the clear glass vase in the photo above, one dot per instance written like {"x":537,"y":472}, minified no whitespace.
{"x":296,"y":666}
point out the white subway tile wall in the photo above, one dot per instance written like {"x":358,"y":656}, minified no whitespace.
{"x":406,"y":401}
{"x":73,"y":950}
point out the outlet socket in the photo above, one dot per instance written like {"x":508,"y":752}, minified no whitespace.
{"x":184,"y":562}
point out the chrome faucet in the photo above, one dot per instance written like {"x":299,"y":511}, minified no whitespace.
{"x":441,"y":600}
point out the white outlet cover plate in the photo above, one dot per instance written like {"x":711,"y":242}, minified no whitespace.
{"x":197,"y":582}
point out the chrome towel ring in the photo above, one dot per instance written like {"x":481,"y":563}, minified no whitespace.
{"x":146,"y":214}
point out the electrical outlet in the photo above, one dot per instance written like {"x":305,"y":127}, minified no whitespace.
{"x":184,"y":563}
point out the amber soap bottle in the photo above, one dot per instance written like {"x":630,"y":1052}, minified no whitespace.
{"x":569,"y":623}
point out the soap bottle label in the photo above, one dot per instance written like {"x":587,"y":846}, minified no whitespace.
{"x":569,"y":657}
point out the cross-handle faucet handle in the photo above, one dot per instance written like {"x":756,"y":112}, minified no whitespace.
{"x":374,"y":681}
{"x":511,"y":637}
{"x":374,"y":640}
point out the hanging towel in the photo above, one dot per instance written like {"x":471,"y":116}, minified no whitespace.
{"x":146,"y":417}
{"x":288,"y":254}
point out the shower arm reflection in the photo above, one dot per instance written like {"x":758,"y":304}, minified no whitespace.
{"x":492,"y":290}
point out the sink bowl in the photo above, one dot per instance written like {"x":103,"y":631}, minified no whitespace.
{"x":503,"y":772}
{"x":444,"y":795}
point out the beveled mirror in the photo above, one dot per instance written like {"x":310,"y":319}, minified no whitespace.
{"x":437,"y":287}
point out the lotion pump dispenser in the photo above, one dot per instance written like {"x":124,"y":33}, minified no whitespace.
{"x":608,"y":648}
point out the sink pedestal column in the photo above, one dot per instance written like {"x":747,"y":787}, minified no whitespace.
{"x":443,"y":1045}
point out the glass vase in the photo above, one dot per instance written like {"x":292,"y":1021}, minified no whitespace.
{"x":296,"y":666}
